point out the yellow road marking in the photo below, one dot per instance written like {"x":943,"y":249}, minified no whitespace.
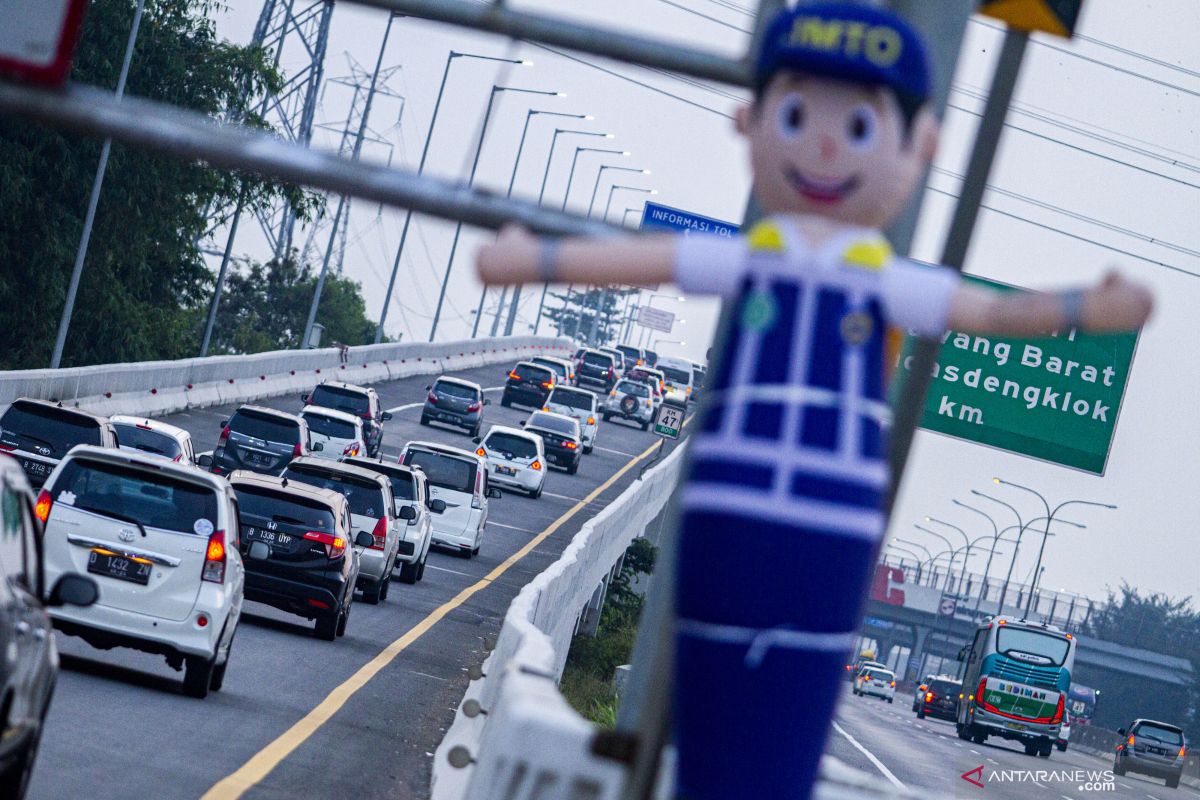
{"x":264,"y":761}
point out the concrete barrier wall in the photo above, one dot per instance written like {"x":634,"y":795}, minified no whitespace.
{"x":152,"y":388}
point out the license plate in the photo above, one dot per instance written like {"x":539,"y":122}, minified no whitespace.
{"x":115,"y":565}
{"x":269,"y":537}
{"x":502,"y":470}
{"x":1016,"y":726}
{"x":35,"y":468}
{"x":552,"y":459}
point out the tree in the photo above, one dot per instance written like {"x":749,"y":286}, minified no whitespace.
{"x":574,"y":316}
{"x":144,"y":284}
{"x":265,"y":307}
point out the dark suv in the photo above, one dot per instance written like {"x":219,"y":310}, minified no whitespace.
{"x":938,"y":697}
{"x":598,"y":369}
{"x":1151,"y":748}
{"x":528,"y":384}
{"x":259,"y":439}
{"x":38,"y":434}
{"x":361,"y":401}
{"x":296,"y":547}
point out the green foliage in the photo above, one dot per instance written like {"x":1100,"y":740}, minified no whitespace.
{"x":592,"y":660}
{"x":266,"y":307}
{"x":144,"y":282}
{"x":573,"y":316}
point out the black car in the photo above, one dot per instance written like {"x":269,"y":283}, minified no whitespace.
{"x":650,"y":357}
{"x":361,"y":401}
{"x":259,"y":439}
{"x":528,"y":384}
{"x":938,"y":698}
{"x":561,"y":438}
{"x":28,"y":673}
{"x":38,"y":434}
{"x":297,"y":550}
{"x":633,"y":355}
{"x":598,"y":369}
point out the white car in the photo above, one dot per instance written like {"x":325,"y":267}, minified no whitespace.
{"x":372,"y":509}
{"x":340,"y":434}
{"x":652,"y":378}
{"x":154,"y":437}
{"x":410,"y":490}
{"x":631,"y":400}
{"x":580,"y":404}
{"x":876,"y":681}
{"x":514,"y":458}
{"x":161,"y":540}
{"x":459,"y":478}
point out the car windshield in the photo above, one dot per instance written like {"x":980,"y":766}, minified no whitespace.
{"x":28,"y":426}
{"x":456,"y":390}
{"x":530,"y":373}
{"x":634,"y":388}
{"x":598,"y":359}
{"x":571,"y":399}
{"x":559,"y":368}
{"x":1159,"y":733}
{"x":510,"y":445}
{"x":552,"y":422}
{"x":651,"y":357}
{"x":944,"y":687}
{"x":281,"y":507}
{"x":328,"y":426}
{"x":365,"y":497}
{"x":132,"y":437}
{"x":880,"y":675}
{"x":267,"y":427}
{"x":154,"y":500}
{"x":348,"y":400}
{"x":676,"y":375}
{"x":1033,"y":647}
{"x":447,"y":472}
{"x":630,"y":352}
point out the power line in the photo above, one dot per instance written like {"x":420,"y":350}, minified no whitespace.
{"x":1135,"y":54}
{"x":734,"y":7}
{"x":1070,"y":235}
{"x":702,"y":15}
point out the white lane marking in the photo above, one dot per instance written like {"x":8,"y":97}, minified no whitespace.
{"x":610,"y":450}
{"x":1126,"y":785}
{"x":994,"y":761}
{"x":1064,"y":797}
{"x":427,"y":675}
{"x":561,"y":497}
{"x":511,"y":527}
{"x":957,"y":744}
{"x":407,"y":406}
{"x":976,"y":752}
{"x":1152,"y":797}
{"x":452,"y":571}
{"x":887,"y":773}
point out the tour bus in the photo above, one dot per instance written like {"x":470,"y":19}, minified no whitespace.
{"x":1016,"y":675}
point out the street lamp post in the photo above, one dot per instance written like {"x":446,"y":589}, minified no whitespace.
{"x":916,"y":557}
{"x":949,"y":546}
{"x":602,"y":297}
{"x":487,"y":116}
{"x":965,"y":539}
{"x":622,"y":187}
{"x":991,"y":552}
{"x":387,"y":297}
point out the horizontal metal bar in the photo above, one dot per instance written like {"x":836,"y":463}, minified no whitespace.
{"x":598,"y":41}
{"x":188,"y":134}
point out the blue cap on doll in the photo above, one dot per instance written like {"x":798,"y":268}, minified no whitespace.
{"x":846,"y":41}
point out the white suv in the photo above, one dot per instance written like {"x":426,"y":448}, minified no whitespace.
{"x":161,"y":540}
{"x":155,"y":437}
{"x":340,"y":434}
{"x":410,"y":490}
{"x":459,"y":478}
{"x":876,"y":681}
{"x":514,"y":458}
{"x":580,"y":404}
{"x":632,"y":400}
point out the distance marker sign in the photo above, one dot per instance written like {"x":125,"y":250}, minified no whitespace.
{"x":669,"y":421}
{"x":1055,"y":398}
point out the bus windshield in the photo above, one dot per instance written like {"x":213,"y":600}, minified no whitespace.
{"x":1033,"y":647}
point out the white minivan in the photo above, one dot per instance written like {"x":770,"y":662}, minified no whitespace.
{"x":340,"y":434}
{"x":459,"y":478}
{"x":677,"y":374}
{"x":161,"y":541}
{"x":580,"y":404}
{"x":515,"y":459}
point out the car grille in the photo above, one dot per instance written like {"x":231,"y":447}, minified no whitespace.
{"x":1041,"y":677}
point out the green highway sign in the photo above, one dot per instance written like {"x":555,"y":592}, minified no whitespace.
{"x":669,"y":420}
{"x":1054,"y":398}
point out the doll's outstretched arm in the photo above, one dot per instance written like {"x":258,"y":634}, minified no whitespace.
{"x":519,"y":257}
{"x":1114,"y":305}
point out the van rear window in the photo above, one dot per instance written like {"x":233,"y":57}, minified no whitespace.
{"x":282,"y":507}
{"x":447,"y":472}
{"x":598,"y":359}
{"x":335,"y":397}
{"x":365,"y":498}
{"x":540,"y":374}
{"x":571,"y":398}
{"x":148,"y":441}
{"x":30,"y":426}
{"x":125,"y":493}
{"x":675,"y":375}
{"x":510,"y":445}
{"x":267,"y":427}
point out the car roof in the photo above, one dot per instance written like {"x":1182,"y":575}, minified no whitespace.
{"x":595,"y":350}
{"x":674,"y":361}
{"x":146,"y":462}
{"x":57,"y":405}
{"x":533,"y":364}
{"x":325,"y":465}
{"x":152,"y":424}
{"x":284,"y":486}
{"x":572,"y":390}
{"x":379,"y":465}
{"x":459,"y":381}
{"x":1169,"y":725}
{"x":519,"y":432}
{"x":572,"y":420}
{"x":271,"y":412}
{"x":444,"y":449}
{"x":555,"y":359}
{"x":351,"y":386}
{"x":879,"y":668}
{"x":332,"y":413}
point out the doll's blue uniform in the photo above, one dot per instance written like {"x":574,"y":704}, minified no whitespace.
{"x":782,"y":507}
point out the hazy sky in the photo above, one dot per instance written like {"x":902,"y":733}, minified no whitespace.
{"x":1144,"y":102}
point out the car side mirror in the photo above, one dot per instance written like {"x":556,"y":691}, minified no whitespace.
{"x":521,"y":423}
{"x":304,"y":399}
{"x":437,"y":506}
{"x":477,"y":440}
{"x":962,"y":654}
{"x":408,"y":512}
{"x":429,"y":388}
{"x":386,"y":416}
{"x":259,"y":551}
{"x":318,"y":447}
{"x":1120,"y":731}
{"x":73,"y":589}
{"x":487,"y":402}
{"x":364,"y":539}
{"x":494,"y":493}
{"x":205,"y":460}
{"x":225,"y":423}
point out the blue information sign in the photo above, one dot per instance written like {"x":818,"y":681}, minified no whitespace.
{"x":673,"y":219}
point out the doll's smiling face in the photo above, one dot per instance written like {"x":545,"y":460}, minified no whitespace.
{"x":834,"y":149}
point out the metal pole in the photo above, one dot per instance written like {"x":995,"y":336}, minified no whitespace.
{"x":387,"y":297}
{"x":225,"y":256}
{"x":911,"y":403}
{"x":358,"y":140}
{"x":512,"y":182}
{"x":991,"y":551}
{"x":89,"y":218}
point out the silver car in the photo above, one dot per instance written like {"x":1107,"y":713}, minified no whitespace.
{"x":631,"y":400}
{"x":580,"y":404}
{"x":1151,"y":748}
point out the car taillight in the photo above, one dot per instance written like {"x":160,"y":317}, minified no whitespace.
{"x":591,"y":420}
{"x":613,"y":393}
{"x":514,"y":375}
{"x":351,"y":449}
{"x":547,"y":385}
{"x":380,"y":534}
{"x":1058,"y":712}
{"x":979,"y":691}
{"x":570,"y":445}
{"x":41,"y":508}
{"x":477,"y":495}
{"x":892,"y":684}
{"x":928,"y":696}
{"x":481,"y":452}
{"x":297,"y":450}
{"x":432,"y":398}
{"x":1183,"y":751}
{"x":1130,"y":740}
{"x":611,"y":375}
{"x":545,"y":408}
{"x":366,"y":415}
{"x":214,"y":559}
{"x":473,"y":407}
{"x":536,"y":465}
{"x":335,"y":546}
{"x":649,"y":403}
{"x":224,"y":435}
